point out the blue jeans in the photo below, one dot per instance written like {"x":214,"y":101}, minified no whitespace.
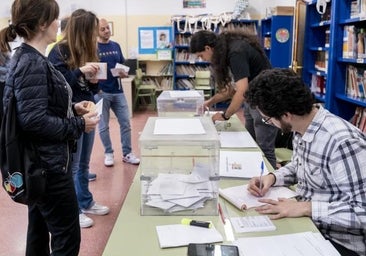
{"x":117,"y":102}
{"x":80,"y":169}
{"x":263,"y":134}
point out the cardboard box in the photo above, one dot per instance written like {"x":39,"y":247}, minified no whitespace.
{"x":283,"y":10}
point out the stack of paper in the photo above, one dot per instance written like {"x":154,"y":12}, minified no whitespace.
{"x":306,"y":243}
{"x":240,"y":164}
{"x":252,"y":224}
{"x":177,"y":192}
{"x":237,"y":140}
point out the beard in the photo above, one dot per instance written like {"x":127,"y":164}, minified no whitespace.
{"x":285,"y":127}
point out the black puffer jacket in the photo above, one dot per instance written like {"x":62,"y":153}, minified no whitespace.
{"x":44,"y":113}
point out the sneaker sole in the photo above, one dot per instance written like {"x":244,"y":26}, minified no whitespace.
{"x":86,"y":226}
{"x":127,"y":162}
{"x":108,"y":165}
{"x":96,"y":213}
{"x":92,"y":179}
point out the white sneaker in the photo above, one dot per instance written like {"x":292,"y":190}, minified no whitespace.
{"x":97,"y":209}
{"x":108,"y":159}
{"x":131,"y":159}
{"x":85,"y":221}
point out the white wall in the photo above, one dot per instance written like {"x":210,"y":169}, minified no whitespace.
{"x":153,"y":7}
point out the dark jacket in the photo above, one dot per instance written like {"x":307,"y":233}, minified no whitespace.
{"x":43,"y":107}
{"x":82,"y":89}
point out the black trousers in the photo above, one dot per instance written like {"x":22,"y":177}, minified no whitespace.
{"x":55,"y":216}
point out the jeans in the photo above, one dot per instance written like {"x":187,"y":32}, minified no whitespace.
{"x":117,"y":102}
{"x":57,"y":214}
{"x":263,"y":134}
{"x":80,"y":169}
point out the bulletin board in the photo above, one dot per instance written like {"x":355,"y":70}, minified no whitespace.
{"x":153,"y":38}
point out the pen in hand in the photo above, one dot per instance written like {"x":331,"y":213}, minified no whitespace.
{"x":260,"y":177}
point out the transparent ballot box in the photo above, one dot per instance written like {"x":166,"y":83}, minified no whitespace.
{"x":179,"y":168}
{"x":185,"y":103}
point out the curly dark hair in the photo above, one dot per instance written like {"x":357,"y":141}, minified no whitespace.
{"x":221,"y":45}
{"x":278,"y":91}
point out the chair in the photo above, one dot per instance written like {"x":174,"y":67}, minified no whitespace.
{"x":145,"y":92}
{"x":203,"y":82}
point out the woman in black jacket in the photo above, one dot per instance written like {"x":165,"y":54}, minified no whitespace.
{"x":50,"y":122}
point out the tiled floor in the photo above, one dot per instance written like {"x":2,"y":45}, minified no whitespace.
{"x":110,"y":188}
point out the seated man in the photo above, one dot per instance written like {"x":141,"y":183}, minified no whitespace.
{"x":328,"y":161}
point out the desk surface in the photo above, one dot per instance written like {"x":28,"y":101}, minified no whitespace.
{"x":134,"y":234}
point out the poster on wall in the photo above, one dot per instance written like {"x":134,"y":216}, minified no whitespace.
{"x":153,"y":38}
{"x":194,"y":3}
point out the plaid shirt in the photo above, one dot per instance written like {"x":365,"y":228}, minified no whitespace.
{"x":329,"y":167}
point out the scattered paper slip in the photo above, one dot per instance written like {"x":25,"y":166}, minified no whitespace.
{"x":252,"y":224}
{"x":181,"y":235}
{"x":240,"y":164}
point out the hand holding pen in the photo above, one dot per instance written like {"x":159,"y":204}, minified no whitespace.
{"x":259,"y":186}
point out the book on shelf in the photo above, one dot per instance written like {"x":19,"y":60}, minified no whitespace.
{"x":355,"y":81}
{"x":318,"y":84}
{"x":241,"y":198}
{"x":358,"y":9}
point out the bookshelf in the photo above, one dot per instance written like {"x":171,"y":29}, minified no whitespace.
{"x":186,"y":64}
{"x":316,"y":50}
{"x":157,"y":72}
{"x":340,"y":35}
{"x":276,"y":39}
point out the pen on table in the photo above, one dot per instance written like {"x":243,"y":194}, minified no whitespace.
{"x":221,"y":214}
{"x":260,"y":177}
{"x":197,"y":223}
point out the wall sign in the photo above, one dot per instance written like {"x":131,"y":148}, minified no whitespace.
{"x":153,"y":38}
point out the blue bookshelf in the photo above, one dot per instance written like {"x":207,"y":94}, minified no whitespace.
{"x":184,"y":63}
{"x":276,"y":38}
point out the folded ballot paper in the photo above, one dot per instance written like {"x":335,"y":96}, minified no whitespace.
{"x":178,"y":192}
{"x":119,"y":68}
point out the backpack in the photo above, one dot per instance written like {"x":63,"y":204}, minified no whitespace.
{"x":23,"y":177}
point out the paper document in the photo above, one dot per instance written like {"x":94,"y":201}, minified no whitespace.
{"x":237,"y":140}
{"x":252,"y":224}
{"x":99,"y":107}
{"x":102,"y":72}
{"x":181,"y":235}
{"x":119,"y":68}
{"x":243,"y":200}
{"x":306,"y":243}
{"x":239,"y":164}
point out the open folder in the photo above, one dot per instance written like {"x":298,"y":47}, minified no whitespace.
{"x":243,"y":200}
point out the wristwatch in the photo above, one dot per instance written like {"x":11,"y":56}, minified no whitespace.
{"x":224,"y":116}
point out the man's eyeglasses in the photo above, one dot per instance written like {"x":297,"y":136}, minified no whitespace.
{"x":267,"y":120}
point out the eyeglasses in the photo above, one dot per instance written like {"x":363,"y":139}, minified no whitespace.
{"x":267,"y":120}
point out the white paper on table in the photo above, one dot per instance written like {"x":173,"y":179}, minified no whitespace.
{"x":237,"y":140}
{"x":255,"y":223}
{"x":179,"y":126}
{"x":101,"y":73}
{"x":181,"y":235}
{"x":240,"y":164}
{"x":305,"y":243}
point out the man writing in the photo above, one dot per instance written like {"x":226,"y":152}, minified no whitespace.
{"x":328,"y":161}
